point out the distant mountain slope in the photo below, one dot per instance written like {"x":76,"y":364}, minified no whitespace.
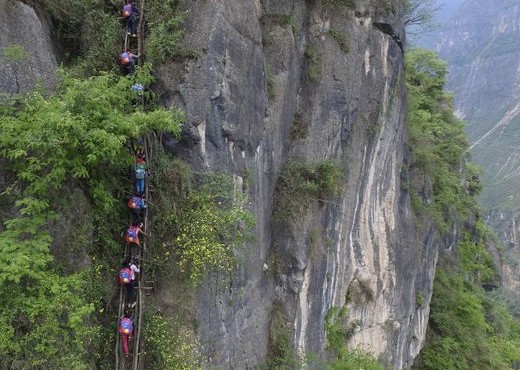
{"x":482,"y":46}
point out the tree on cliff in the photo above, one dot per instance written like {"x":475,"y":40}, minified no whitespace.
{"x":467,"y":328}
{"x":49,"y":146}
{"x":419,"y":15}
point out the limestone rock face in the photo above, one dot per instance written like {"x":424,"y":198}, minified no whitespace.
{"x":281,"y":80}
{"x":26,"y":52}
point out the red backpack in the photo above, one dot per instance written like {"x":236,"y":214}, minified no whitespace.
{"x":125,"y":58}
{"x":125,"y":275}
{"x":132,"y":235}
{"x":134,"y":202}
{"x":127,"y":10}
{"x":126,"y":326}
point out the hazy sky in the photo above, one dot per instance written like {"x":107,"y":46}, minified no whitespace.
{"x":447,"y":9}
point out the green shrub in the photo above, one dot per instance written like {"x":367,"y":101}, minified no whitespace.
{"x":338,"y":333}
{"x":313,"y":63}
{"x":299,"y":129}
{"x":14,"y":53}
{"x":268,"y":21}
{"x":341,"y":39}
{"x":419,"y":298}
{"x":467,"y":329}
{"x":437,"y":139}
{"x":356,"y":359}
{"x":74,"y":139}
{"x":207,"y":235}
{"x":281,"y":353}
{"x":164,"y":39}
{"x":300,"y":183}
{"x":88,"y":32}
{"x":351,"y":4}
{"x":168,"y":343}
{"x":200,"y":223}
{"x":336,"y":329}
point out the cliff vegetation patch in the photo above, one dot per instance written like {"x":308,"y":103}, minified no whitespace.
{"x":351,"y":4}
{"x":301,"y":183}
{"x":437,"y":141}
{"x":341,"y":39}
{"x":201,"y":219}
{"x":468,"y":328}
{"x":312,"y":55}
{"x":74,"y":139}
{"x":339,"y":331}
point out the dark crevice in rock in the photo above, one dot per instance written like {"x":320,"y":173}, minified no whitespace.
{"x":389,"y":30}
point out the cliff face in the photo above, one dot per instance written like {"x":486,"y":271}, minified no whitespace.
{"x":482,"y":47}
{"x":271,"y":68}
{"x":506,"y":225}
{"x":26,"y":52}
{"x":313,"y":81}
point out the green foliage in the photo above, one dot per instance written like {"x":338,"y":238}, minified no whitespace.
{"x":300,"y":183}
{"x":356,"y":359}
{"x":88,"y":32}
{"x":437,"y":139}
{"x":100,"y":44}
{"x":72,"y":139}
{"x":173,"y":180}
{"x":92,"y":36}
{"x":164,"y":39}
{"x":268,"y":21}
{"x":44,"y":321}
{"x":340,"y":38}
{"x":200,"y":223}
{"x":339,"y":331}
{"x":419,"y":298}
{"x":14,"y":53}
{"x":419,"y":15}
{"x":300,"y":128}
{"x":467,"y":329}
{"x":281,"y":354}
{"x":169,"y":345}
{"x":313,"y":63}
{"x":271,"y":88}
{"x":475,"y":261}
{"x":336,"y":328}
{"x":270,"y":82}
{"x":212,"y":224}
{"x":207,"y":234}
{"x":79,"y":132}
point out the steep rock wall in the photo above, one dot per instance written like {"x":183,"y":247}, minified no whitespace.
{"x":264,"y":68}
{"x":268,"y":69}
{"x":21,"y":69}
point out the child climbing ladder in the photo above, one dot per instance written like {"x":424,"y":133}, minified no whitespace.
{"x":129,"y":319}
{"x":130,"y":278}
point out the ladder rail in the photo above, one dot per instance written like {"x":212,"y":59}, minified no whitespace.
{"x":137,"y":361}
{"x":140,"y":39}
